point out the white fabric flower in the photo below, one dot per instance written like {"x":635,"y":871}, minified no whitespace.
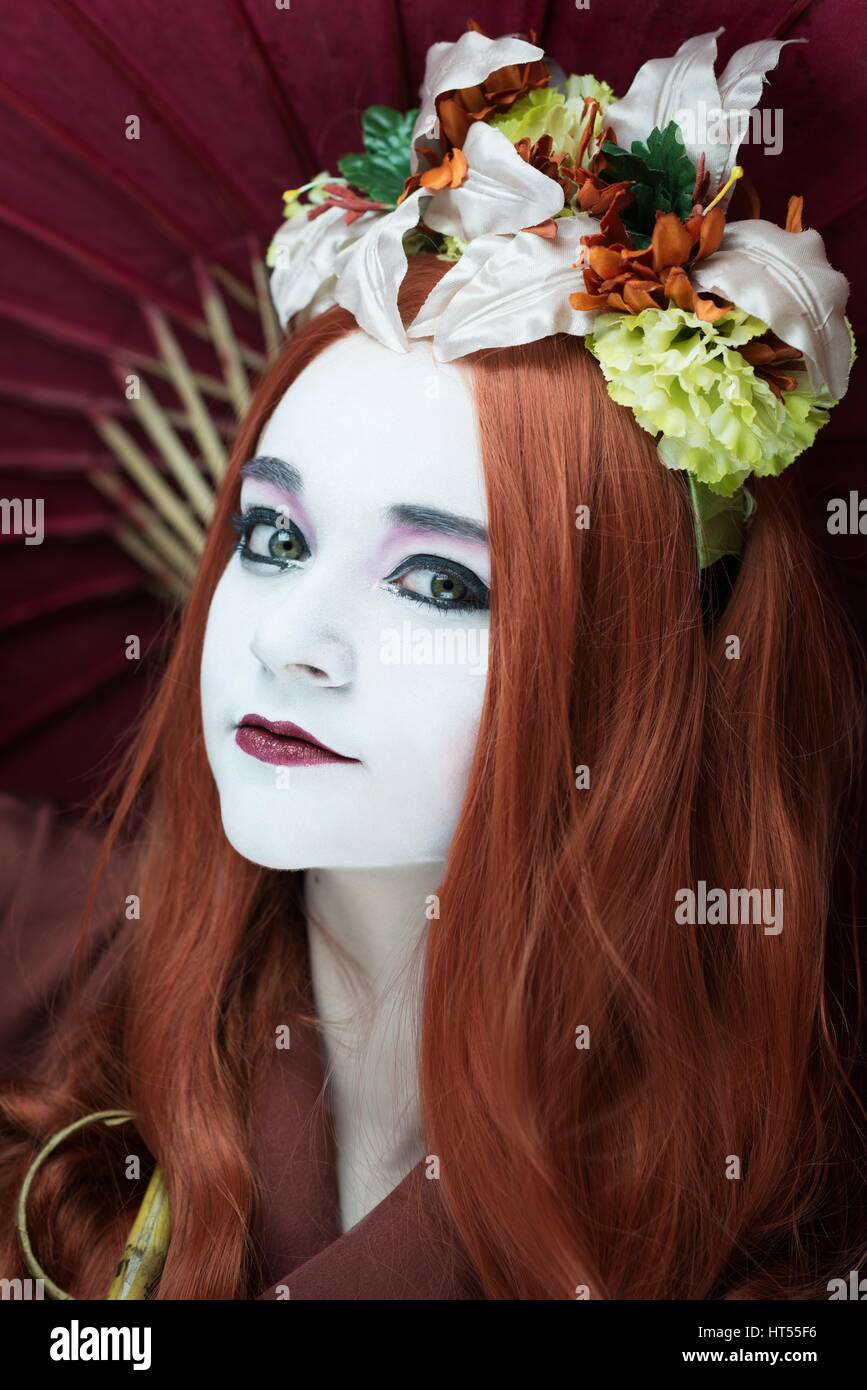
{"x":370,"y":272}
{"x":303,"y":254}
{"x":501,"y":191}
{"x":784,"y":279}
{"x":506,"y":290}
{"x":451,"y":66}
{"x":680,"y":88}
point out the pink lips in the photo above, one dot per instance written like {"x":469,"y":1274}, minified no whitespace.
{"x":284,"y":743}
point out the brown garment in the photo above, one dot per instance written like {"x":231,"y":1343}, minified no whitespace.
{"x":403,"y":1249}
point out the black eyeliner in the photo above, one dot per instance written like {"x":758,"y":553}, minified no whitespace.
{"x":244,"y":522}
{"x":438,"y":565}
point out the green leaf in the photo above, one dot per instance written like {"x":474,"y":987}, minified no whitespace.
{"x":623,"y":165}
{"x":381,"y":172}
{"x":662,"y":175}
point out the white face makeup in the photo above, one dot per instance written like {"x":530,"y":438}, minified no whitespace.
{"x":355,"y":608}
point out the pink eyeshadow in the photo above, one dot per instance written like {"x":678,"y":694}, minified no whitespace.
{"x":269,"y":495}
{"x":413,"y":538}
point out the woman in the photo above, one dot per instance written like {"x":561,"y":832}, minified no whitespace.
{"x":557,"y":941}
{"x":612,"y":1103}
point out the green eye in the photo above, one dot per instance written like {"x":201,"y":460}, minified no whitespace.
{"x":448,"y":588}
{"x":282,"y":545}
{"x":266,"y":538}
{"x":438,"y":583}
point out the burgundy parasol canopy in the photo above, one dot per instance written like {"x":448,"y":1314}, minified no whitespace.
{"x":144,"y":152}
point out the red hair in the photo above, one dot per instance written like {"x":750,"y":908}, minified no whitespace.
{"x":605,"y":1165}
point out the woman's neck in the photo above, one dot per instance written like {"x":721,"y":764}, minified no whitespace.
{"x":366,"y":930}
{"x":375,"y":916}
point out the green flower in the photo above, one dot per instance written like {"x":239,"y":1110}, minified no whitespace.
{"x":555,"y":112}
{"x":454,"y":248}
{"x":577,"y":88}
{"x":685,"y":379}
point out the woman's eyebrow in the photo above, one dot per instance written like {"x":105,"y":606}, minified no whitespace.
{"x":272,"y":470}
{"x":432,"y":519}
{"x":288,"y":478}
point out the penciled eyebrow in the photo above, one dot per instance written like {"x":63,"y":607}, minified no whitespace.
{"x":431,"y":519}
{"x":287,"y":477}
{"x":277,"y":471}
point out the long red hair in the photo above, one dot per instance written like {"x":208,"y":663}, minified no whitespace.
{"x":607,"y":1165}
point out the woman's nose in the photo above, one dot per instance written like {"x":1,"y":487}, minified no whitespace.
{"x":305,"y":639}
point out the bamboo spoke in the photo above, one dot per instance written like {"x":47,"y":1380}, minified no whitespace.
{"x":158,"y":426}
{"x":270,"y":322}
{"x":200,"y":421}
{"x":152,"y":529}
{"x":224,"y":340}
{"x":241,"y":293}
{"x":153,"y":485}
{"x":141,"y":552}
{"x":208,"y":385}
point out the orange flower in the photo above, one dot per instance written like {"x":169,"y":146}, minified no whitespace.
{"x":774,"y":361}
{"x":619,"y":276}
{"x":459,"y":108}
{"x":450,"y":173}
{"x":794,"y":214}
{"x":604,"y":201}
{"x":540,"y":156}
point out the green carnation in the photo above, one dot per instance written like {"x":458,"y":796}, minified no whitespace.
{"x":453,"y":248}
{"x":686,"y":380}
{"x":555,"y":112}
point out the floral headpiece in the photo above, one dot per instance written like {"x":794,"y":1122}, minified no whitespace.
{"x":565,"y":210}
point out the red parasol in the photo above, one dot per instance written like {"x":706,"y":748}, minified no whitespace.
{"x":144,"y":153}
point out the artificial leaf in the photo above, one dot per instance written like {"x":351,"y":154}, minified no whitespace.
{"x":664,"y":153}
{"x":381,"y":172}
{"x":662,"y":176}
{"x":719,"y":522}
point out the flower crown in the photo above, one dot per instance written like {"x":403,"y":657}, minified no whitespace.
{"x":565,"y":210}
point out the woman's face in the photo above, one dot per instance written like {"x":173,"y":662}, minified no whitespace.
{"x":355,"y":608}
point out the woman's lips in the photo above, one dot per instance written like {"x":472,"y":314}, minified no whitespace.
{"x":284,"y":743}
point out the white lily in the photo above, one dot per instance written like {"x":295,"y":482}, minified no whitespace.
{"x":500,"y":193}
{"x":370,"y":272}
{"x":784,"y":279}
{"x":466,"y":63}
{"x":506,"y":290}
{"x":303,"y":254}
{"x":684,"y":87}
